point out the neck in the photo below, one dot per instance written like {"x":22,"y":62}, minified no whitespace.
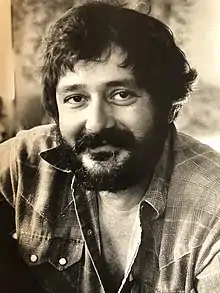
{"x":122,"y":201}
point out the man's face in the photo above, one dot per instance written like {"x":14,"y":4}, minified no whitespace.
{"x":106,"y":119}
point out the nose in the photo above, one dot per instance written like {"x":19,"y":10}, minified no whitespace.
{"x":99,"y":116}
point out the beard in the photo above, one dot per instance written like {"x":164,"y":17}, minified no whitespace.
{"x":128,"y":163}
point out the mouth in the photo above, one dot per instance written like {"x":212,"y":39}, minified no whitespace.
{"x":104,"y":148}
{"x":103,"y":153}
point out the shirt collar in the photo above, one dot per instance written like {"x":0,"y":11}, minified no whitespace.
{"x":156,"y":194}
{"x":55,"y":155}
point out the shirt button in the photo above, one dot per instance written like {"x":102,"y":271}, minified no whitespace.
{"x":62,"y":261}
{"x":15,"y":236}
{"x":33,"y":258}
{"x":89,"y":232}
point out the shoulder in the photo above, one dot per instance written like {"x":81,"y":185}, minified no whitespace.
{"x":30,"y":142}
{"x":37,"y":139}
{"x":196,"y":175}
{"x":193,"y":202}
{"x":195,"y":157}
{"x":41,"y":132}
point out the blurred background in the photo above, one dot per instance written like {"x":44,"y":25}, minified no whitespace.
{"x":195,"y":24}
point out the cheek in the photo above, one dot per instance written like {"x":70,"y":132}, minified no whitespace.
{"x":71,"y":124}
{"x":139,"y":119}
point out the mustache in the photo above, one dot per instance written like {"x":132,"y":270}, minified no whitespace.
{"x":109,"y":136}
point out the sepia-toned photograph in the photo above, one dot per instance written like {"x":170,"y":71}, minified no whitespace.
{"x":109,"y":146}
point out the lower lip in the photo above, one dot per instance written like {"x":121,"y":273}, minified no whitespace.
{"x":106,"y":148}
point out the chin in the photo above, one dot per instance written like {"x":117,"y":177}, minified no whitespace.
{"x":110,"y":172}
{"x":104,"y":162}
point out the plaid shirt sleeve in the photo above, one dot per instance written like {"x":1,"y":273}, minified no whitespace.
{"x":208,"y":272}
{"x":8,"y":177}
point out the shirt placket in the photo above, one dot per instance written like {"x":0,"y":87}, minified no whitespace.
{"x":87,"y":214}
{"x":127,"y":285}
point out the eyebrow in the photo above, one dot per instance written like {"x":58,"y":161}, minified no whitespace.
{"x":122,"y":82}
{"x":71,"y":88}
{"x":110,"y":84}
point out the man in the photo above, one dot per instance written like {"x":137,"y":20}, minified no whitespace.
{"x":111,"y":198}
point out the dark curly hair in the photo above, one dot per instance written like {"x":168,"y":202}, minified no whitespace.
{"x":85,"y":32}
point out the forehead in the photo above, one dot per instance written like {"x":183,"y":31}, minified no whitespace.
{"x":97,"y":72}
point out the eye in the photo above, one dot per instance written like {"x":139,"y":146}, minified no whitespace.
{"x":76,"y":100}
{"x":123,"y":97}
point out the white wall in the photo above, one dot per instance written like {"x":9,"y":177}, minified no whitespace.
{"x":204,"y":47}
{"x":6,"y":57}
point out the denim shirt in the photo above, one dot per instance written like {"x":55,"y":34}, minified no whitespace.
{"x":57,"y":223}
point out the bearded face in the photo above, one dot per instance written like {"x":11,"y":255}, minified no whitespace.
{"x":108,"y":124}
